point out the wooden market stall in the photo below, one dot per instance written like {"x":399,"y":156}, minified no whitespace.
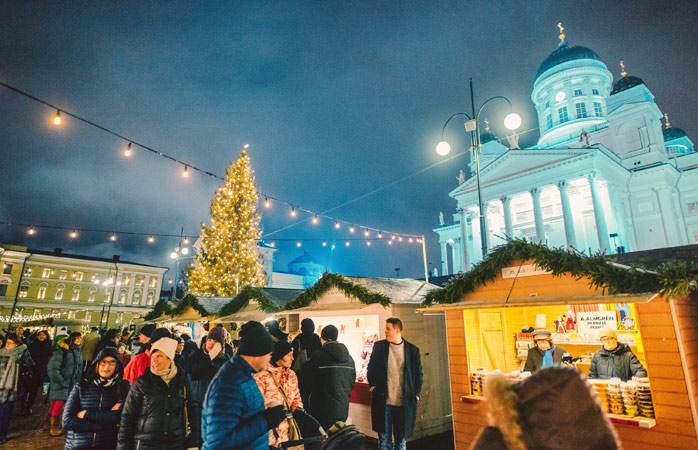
{"x":358,"y":307}
{"x":192,"y":312}
{"x":514,"y":289}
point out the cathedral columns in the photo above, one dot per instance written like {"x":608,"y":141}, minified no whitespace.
{"x":570,"y":235}
{"x":465,"y":253}
{"x":620,"y":205}
{"x":538,"y":215}
{"x":508,"y":225}
{"x":444,"y":258}
{"x":599,"y":218}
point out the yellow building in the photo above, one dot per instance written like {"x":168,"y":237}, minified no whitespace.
{"x":55,"y":284}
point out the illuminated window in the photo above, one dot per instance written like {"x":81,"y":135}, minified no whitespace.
{"x":42,"y":292}
{"x":88,"y":316}
{"x":76,"y":293}
{"x":140,"y":281}
{"x":59,"y":292}
{"x":78,"y":276}
{"x":137,"y":298}
{"x":7,"y":269}
{"x":46,"y":273}
{"x":151,"y":298}
{"x":598,"y":109}
{"x":562,"y":114}
{"x":122,"y":297}
{"x":153,"y":282}
{"x":28,"y":271}
{"x":126,"y":279}
{"x":692,"y":207}
{"x":24,"y":290}
{"x":119,"y":317}
{"x":63,"y":275}
{"x":71,"y":314}
{"x":581,"y":110}
{"x":37,"y":312}
{"x":91,"y":295}
{"x":107,"y":297}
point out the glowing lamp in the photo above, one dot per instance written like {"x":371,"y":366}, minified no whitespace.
{"x":298,"y":244}
{"x":173,"y":255}
{"x":31,"y":231}
{"x":512,"y":121}
{"x":346,"y":243}
{"x":293,"y":212}
{"x":185,"y":172}
{"x":336,"y":224}
{"x":57,"y":118}
{"x":315,"y":219}
{"x":127,"y":151}
{"x":185,"y":241}
{"x":74,"y":234}
{"x":185,"y":251}
{"x":112,"y":237}
{"x":267,"y":203}
{"x":324,"y":243}
{"x":151,"y":239}
{"x":443,"y":148}
{"x":351,"y":229}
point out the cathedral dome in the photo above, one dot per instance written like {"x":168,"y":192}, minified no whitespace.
{"x":626,"y":83}
{"x":564,"y":53}
{"x":673,"y":133}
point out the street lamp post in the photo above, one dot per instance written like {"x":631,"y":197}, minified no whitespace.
{"x":512,"y":121}
{"x":179,"y":253}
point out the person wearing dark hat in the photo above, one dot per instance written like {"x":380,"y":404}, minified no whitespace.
{"x":136,"y":367}
{"x":544,"y":353}
{"x":234,"y":416}
{"x":553,"y":408}
{"x":329,"y":376}
{"x":189,"y":345}
{"x":279,"y":384}
{"x":93,"y":410}
{"x":275,"y":330}
{"x":144,"y":337}
{"x":304,"y":346}
{"x":203,"y":364}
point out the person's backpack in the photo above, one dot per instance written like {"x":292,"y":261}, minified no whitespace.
{"x":300,"y":361}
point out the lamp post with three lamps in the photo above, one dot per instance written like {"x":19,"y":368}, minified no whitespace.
{"x":180,"y":252}
{"x":512,"y":121}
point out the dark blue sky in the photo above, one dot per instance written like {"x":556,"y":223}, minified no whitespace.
{"x":336,"y":99}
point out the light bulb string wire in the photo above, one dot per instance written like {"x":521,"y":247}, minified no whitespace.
{"x":194,"y":167}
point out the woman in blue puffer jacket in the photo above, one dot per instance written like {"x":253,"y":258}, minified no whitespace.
{"x":93,"y":411}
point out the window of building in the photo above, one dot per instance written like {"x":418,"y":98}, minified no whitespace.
{"x":94,"y":277}
{"x":578,"y":92}
{"x":7,"y":269}
{"x":137,"y":298}
{"x":153,"y":282}
{"x":78,"y":276}
{"x":42,"y":292}
{"x":91,"y":294}
{"x":562,"y":114}
{"x":24,"y":290}
{"x":37,"y":312}
{"x":107,"y":297}
{"x":140,"y":281}
{"x":595,"y":92}
{"x":122,"y":297}
{"x":28,"y":271}
{"x":3,"y":288}
{"x":549,"y":121}
{"x":63,"y":275}
{"x":88,"y":316}
{"x":581,"y":110}
{"x":59,"y":292}
{"x":126,"y":279}
{"x":547,"y":104}
{"x":692,"y":207}
{"x":46,"y":273}
{"x":76,"y":294}
{"x":71,"y":314}
{"x":119,"y":317}
{"x":598,"y":109}
{"x":151,"y":298}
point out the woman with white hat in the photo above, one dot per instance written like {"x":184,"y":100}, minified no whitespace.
{"x":159,"y":411}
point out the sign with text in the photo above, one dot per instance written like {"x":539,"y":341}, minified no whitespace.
{"x":525,"y":270}
{"x":590,"y":323}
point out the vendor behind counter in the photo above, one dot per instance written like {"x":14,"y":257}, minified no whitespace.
{"x":544,"y":353}
{"x":614,"y":359}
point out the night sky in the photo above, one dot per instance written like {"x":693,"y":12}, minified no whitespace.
{"x":335,"y":99}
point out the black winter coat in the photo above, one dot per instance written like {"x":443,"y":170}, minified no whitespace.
{"x":189,"y":348}
{"x":534,"y":360}
{"x":40,"y":353}
{"x":154,"y":415}
{"x":99,"y":427}
{"x":329,"y":376}
{"x":201,"y":371}
{"x":620,"y":362}
{"x":377,"y":373}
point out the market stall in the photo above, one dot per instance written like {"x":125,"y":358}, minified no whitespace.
{"x":490,"y":311}
{"x":358,"y":307}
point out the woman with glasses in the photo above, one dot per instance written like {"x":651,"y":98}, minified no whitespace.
{"x":614,"y":359}
{"x":93,"y":411}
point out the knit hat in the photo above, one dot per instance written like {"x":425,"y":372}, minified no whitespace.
{"x":166,"y":345}
{"x":159,"y":334}
{"x":106,"y":352}
{"x":255,"y":340}
{"x":275,"y":330}
{"x":147,"y":329}
{"x":217,"y":334}
{"x":330,"y":333}
{"x":541,"y":334}
{"x":281,"y":349}
{"x":608,"y":332}
{"x":307,"y":326}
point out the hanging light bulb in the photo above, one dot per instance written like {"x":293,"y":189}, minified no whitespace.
{"x":267,"y":203}
{"x":31,"y":231}
{"x":336,"y":224}
{"x":324,"y":243}
{"x":57,"y":117}
{"x":392,"y":237}
{"x":399,"y":238}
{"x":380,"y":235}
{"x":315,"y":219}
{"x":272,"y":244}
{"x":185,"y":241}
{"x":113,"y":237}
{"x":346,"y":243}
{"x":368,"y":243}
{"x":390,"y":242}
{"x":151,"y":239}
{"x":366,"y":233}
{"x":293,"y":212}
{"x":74,"y":234}
{"x":127,"y":151}
{"x":185,"y":172}
{"x":298,"y":244}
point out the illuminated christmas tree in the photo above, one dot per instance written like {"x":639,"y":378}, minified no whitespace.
{"x":229,"y":258}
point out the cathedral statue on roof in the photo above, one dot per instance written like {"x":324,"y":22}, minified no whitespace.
{"x":605,"y":175}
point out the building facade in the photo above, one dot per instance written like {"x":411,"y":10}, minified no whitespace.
{"x":606,"y":174}
{"x":97,"y":291}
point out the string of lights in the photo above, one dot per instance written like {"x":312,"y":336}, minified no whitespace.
{"x":129,"y":150}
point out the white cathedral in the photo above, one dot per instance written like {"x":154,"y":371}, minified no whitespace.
{"x":604,"y":175}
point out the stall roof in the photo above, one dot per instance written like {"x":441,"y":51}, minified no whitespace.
{"x":398,"y":290}
{"x":213,"y":304}
{"x":652,"y":259}
{"x":253,"y":311}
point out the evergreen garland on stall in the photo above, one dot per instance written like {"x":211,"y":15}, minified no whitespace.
{"x":243,"y":299}
{"x":335,"y":280}
{"x":162,"y":307}
{"x":672,"y":278}
{"x":186,"y":302}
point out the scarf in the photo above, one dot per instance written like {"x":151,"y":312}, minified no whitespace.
{"x":9,"y":372}
{"x":547,"y":359}
{"x":106,"y":382}
{"x":166,"y":374}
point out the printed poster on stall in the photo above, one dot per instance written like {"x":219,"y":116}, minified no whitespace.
{"x":590,"y":323}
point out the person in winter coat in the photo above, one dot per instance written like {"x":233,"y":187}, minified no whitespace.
{"x":64,"y":370}
{"x":110,"y":339}
{"x":304,"y":346}
{"x":395,"y":378}
{"x":61,"y":334}
{"x":189,"y":345}
{"x":279,"y":385}
{"x":329,"y":377}
{"x":139,"y":363}
{"x":13,"y":356}
{"x":275,"y":331}
{"x":234,"y":416}
{"x":40,"y":350}
{"x":555,"y":408}
{"x":89,"y":345}
{"x":544,"y":353}
{"x":144,"y":337}
{"x":124,"y":354}
{"x":93,"y":410}
{"x":159,"y":408}
{"x":203,"y":364}
{"x":614,"y":359}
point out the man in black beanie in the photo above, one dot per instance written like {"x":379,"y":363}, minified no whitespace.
{"x":304,"y":346}
{"x":329,"y":377}
{"x":233,"y":414}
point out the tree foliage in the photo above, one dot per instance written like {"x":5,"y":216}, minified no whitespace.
{"x":335,"y":280}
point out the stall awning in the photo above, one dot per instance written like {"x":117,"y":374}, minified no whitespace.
{"x":344,"y":306}
{"x":561,"y":299}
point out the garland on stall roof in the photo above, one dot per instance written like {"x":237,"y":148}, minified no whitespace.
{"x":189,"y":300}
{"x":335,"y":280}
{"x":672,"y":278}
{"x":243,"y":298}
{"x":162,"y":307}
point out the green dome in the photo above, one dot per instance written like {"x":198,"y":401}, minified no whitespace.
{"x":564,"y":53}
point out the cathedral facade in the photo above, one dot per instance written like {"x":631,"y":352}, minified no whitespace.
{"x":606,"y":173}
